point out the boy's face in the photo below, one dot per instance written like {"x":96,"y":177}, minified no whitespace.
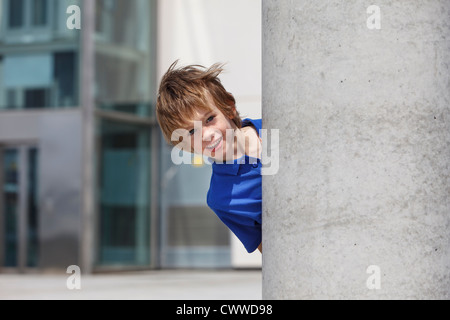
{"x":210,"y":138}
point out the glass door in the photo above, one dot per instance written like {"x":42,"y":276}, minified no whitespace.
{"x":18,"y":207}
{"x":124,"y":194}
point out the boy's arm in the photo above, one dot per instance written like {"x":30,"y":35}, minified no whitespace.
{"x":260,"y":247}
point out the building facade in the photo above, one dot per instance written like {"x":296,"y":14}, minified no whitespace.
{"x":86,"y":178}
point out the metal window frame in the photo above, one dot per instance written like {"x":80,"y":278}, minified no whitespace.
{"x":2,"y":213}
{"x":22,"y":222}
{"x":87,"y":79}
{"x":27,"y":22}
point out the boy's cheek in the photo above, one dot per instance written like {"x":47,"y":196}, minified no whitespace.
{"x":186,"y":147}
{"x":201,"y":150}
{"x":198,"y":150}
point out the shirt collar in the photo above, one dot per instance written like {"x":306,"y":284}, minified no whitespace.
{"x":232,"y":168}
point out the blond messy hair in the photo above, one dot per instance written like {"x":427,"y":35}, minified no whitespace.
{"x":186,"y":90}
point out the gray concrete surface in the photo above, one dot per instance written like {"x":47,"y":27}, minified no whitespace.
{"x":360,"y":206}
{"x":148,"y":285}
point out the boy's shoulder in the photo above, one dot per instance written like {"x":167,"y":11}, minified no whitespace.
{"x":256,"y":123}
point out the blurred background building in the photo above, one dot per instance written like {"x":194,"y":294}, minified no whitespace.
{"x":85,"y":176}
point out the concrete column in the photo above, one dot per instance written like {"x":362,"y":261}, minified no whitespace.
{"x":360,"y":206}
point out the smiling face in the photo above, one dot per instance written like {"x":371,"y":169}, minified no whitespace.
{"x":187,"y":94}
{"x":211,"y":134}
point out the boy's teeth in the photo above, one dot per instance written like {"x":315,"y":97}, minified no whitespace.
{"x":215,"y":145}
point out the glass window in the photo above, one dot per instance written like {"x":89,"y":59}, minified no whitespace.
{"x":36,"y":98}
{"x":123,"y":57}
{"x":66,"y":79}
{"x":39,"y":13}
{"x":18,"y":17}
{"x":44,"y":76}
{"x":14,"y":207}
{"x":124,"y":193}
{"x":16,"y":14}
{"x":41,"y":80}
{"x":192,"y":234}
{"x":123,"y":84}
{"x":11,"y":99}
{"x":33,"y":217}
{"x":10,"y":191}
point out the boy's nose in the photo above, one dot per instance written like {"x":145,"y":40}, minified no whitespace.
{"x":208,"y":135}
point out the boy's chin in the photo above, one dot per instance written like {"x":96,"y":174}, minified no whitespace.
{"x":216,"y":156}
{"x":212,"y":156}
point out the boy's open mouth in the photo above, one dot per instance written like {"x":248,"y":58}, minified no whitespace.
{"x":215,"y":144}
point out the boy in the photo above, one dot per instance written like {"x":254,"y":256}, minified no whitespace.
{"x":198,"y":115}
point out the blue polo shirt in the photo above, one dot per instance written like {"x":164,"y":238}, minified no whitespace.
{"x":235,"y":195}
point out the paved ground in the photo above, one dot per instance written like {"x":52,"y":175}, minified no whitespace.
{"x":148,"y":285}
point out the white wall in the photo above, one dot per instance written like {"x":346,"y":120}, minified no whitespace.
{"x":208,"y":31}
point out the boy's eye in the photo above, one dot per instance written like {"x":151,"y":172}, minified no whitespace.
{"x":211,"y":118}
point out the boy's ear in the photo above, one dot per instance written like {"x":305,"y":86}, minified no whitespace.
{"x":234,"y":112}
